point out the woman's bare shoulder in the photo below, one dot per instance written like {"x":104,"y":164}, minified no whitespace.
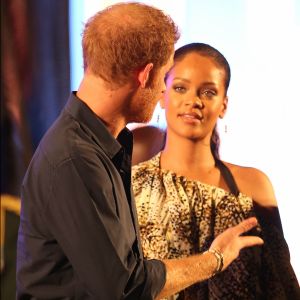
{"x":254,"y":183}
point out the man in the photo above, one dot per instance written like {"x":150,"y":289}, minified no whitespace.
{"x":78,"y":236}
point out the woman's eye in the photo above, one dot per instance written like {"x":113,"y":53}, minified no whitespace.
{"x":209,"y":93}
{"x":179,"y":89}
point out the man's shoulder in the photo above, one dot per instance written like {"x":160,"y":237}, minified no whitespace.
{"x":58,"y":142}
{"x":65,"y":140}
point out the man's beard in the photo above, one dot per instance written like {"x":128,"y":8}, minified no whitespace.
{"x":142,"y":107}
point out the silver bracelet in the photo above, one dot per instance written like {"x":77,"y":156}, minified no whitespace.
{"x":220,"y":260}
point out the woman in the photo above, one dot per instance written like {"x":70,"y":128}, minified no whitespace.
{"x":186,"y":195}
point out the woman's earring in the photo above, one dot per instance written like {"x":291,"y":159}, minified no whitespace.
{"x":225,"y":128}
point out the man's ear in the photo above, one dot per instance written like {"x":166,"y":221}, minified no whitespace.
{"x":224,"y":108}
{"x":162,"y":102}
{"x":143,"y":74}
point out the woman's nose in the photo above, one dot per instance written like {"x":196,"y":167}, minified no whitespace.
{"x":195,"y":102}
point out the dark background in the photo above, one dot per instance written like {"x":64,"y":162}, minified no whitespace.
{"x":35,"y":84}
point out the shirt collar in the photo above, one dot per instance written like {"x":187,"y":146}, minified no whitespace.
{"x":84,"y":115}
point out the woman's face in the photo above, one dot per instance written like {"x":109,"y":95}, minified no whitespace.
{"x":195,"y":97}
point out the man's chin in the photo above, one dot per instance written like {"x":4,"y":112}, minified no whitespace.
{"x":141,"y":119}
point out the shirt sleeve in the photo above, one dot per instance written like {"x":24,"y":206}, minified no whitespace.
{"x":91,"y":228}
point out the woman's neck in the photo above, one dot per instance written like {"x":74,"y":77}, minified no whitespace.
{"x":189,"y":158}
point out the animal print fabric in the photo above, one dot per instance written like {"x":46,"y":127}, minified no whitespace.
{"x":180,"y":217}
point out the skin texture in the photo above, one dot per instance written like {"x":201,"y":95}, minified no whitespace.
{"x":141,"y":107}
{"x":192,"y":92}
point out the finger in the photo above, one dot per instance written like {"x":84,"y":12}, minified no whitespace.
{"x":245,"y":225}
{"x":249,"y":241}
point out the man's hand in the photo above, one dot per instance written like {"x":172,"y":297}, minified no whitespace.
{"x":183,"y":272}
{"x":230,"y":242}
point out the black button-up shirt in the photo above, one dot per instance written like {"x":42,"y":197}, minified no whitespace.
{"x":78,"y":235}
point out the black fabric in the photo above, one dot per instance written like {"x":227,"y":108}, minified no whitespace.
{"x":78,"y":235}
{"x":276,"y":278}
{"x":229,"y":179}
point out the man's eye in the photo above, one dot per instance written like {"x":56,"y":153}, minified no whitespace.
{"x":179,"y":89}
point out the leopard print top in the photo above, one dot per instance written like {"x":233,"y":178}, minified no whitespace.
{"x":179,"y":217}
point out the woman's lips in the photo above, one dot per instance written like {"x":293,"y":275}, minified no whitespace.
{"x":191,"y":117}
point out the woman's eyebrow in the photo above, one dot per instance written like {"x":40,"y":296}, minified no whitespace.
{"x":180,"y":78}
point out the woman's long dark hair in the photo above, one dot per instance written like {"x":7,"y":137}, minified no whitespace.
{"x":220,"y":60}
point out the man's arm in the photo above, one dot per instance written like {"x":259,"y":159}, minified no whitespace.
{"x":181,"y":273}
{"x":89,"y":226}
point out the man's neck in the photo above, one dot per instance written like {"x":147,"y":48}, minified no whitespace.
{"x":108,"y":104}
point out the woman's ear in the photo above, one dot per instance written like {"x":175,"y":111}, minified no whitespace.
{"x":224,"y":108}
{"x":143,"y":74}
